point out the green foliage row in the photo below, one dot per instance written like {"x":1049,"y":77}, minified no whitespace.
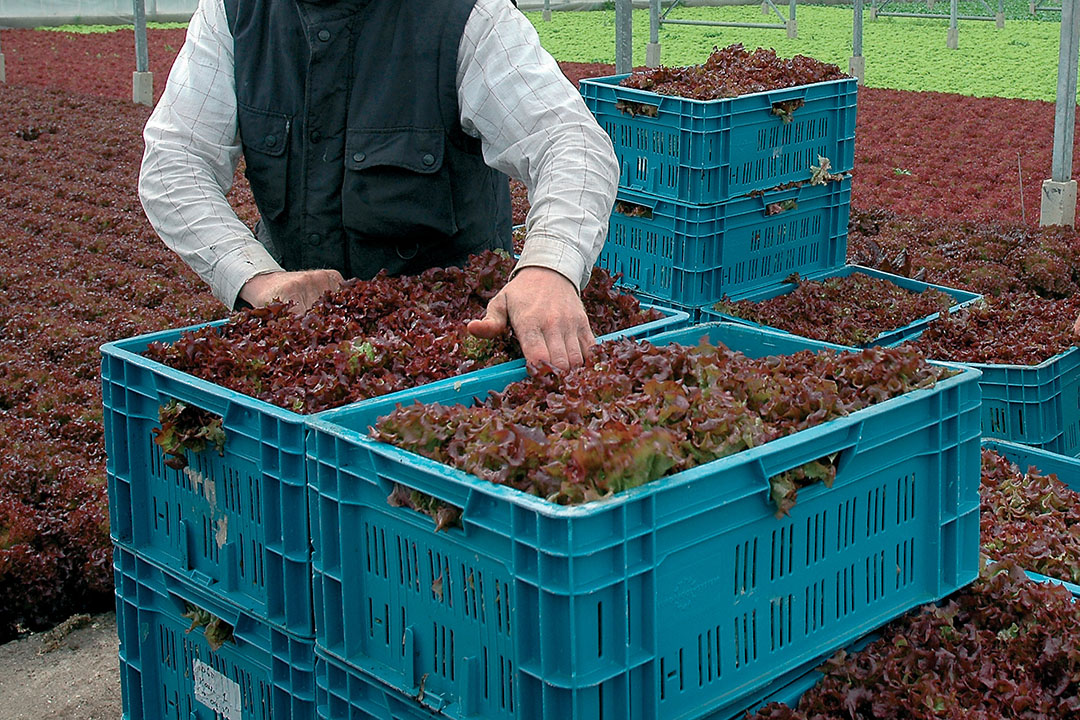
{"x":89,"y":29}
{"x":1018,"y":61}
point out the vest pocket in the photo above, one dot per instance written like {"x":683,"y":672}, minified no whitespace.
{"x":265,"y":137}
{"x":397,"y":185}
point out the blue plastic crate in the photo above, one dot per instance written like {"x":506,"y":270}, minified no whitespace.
{"x":693,"y":255}
{"x":887,"y":338}
{"x":344,"y":693}
{"x":236,"y":524}
{"x":168,"y":670}
{"x":1067,"y":470}
{"x":678,"y":598}
{"x":789,"y":690}
{"x":711,"y":151}
{"x":1037,"y":405}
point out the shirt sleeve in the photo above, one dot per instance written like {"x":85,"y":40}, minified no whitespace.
{"x":534,"y":126}
{"x":192,"y":151}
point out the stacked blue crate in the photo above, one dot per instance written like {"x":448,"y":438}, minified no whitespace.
{"x":231,"y":527}
{"x":715,"y":196}
{"x":683,"y":598}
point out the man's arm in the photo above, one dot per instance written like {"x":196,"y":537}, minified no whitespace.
{"x":192,"y":150}
{"x":534,"y":126}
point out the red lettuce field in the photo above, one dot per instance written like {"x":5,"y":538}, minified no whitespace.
{"x":81,"y":266}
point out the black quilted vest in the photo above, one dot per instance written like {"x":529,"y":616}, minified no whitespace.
{"x":349,"y":120}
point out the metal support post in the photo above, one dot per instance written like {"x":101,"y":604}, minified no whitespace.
{"x":1059,"y":192}
{"x":857,"y":64}
{"x":792,"y":26}
{"x":652,"y":50}
{"x":872,"y":11}
{"x":624,"y":32}
{"x":142,"y":80}
{"x":547,"y":11}
{"x":952,"y":42}
{"x":3,"y":74}
{"x":999,"y":19}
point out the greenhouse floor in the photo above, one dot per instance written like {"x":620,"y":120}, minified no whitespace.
{"x":46,"y":677}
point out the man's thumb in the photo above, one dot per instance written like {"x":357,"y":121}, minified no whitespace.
{"x":493,"y":323}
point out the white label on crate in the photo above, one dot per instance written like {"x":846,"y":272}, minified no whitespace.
{"x":217,"y":692}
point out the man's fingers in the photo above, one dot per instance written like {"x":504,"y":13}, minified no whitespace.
{"x":534,"y":346}
{"x":493,"y":324}
{"x":587,"y":342}
{"x":1076,"y":326}
{"x":575,"y":352}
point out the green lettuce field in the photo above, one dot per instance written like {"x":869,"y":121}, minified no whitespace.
{"x":1019,"y":61}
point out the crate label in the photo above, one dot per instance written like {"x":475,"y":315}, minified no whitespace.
{"x":217,"y":692}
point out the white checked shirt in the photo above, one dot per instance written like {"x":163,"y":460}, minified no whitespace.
{"x":532,"y":123}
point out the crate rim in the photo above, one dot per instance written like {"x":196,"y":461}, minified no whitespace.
{"x":1075,"y":349}
{"x":1006,"y":448}
{"x":324,"y":423}
{"x":641,"y":197}
{"x":130,"y":350}
{"x":963,"y":298}
{"x":614,"y":80}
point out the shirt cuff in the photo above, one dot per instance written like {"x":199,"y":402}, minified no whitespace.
{"x":236,"y":268}
{"x":558,"y":254}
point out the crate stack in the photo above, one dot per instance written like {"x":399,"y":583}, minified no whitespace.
{"x":217,"y":546}
{"x":682,"y":599}
{"x":212,"y":560}
{"x":715,"y":197}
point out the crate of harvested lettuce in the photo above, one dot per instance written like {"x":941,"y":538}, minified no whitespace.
{"x":205,"y":433}
{"x":741,"y":121}
{"x":1031,"y":511}
{"x":667,"y":529}
{"x":691,"y":256}
{"x":852,"y":306}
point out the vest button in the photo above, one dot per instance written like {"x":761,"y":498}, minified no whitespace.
{"x":324,"y":35}
{"x":315,"y":136}
{"x":408,"y":251}
{"x":314,"y":239}
{"x":428,"y":159}
{"x":270,"y":140}
{"x":359,"y":157}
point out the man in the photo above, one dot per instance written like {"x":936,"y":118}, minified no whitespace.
{"x":374,"y":133}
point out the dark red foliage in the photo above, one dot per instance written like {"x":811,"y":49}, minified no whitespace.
{"x":733,"y":71}
{"x":849,"y":310}
{"x":1030,"y":518}
{"x":1013,"y":329}
{"x":373,"y":337}
{"x":80,"y":267}
{"x":1004,"y":648}
{"x":104,"y":61}
{"x":640,"y":412}
{"x":989,"y":258}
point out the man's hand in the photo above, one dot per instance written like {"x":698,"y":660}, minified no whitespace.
{"x":302,"y":288}
{"x":546,"y":313}
{"x":1076,"y":327}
